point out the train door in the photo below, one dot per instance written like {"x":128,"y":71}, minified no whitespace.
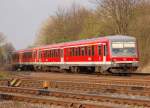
{"x":20,"y":58}
{"x":34,"y":53}
{"x":100,"y":52}
{"x":105,"y":52}
{"x":94,"y":53}
{"x":62,"y":55}
{"x":39,"y":55}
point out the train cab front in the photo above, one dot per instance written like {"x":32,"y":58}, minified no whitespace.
{"x":124,"y":57}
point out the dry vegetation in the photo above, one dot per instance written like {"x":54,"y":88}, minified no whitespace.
{"x":3,"y":75}
{"x":146,"y":68}
{"x":5,"y":51}
{"x":129,"y":17}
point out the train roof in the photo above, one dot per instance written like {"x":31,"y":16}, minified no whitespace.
{"x":121,"y":38}
{"x":83,"y":41}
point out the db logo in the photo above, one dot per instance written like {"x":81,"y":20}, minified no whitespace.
{"x":124,"y":59}
{"x":89,"y":58}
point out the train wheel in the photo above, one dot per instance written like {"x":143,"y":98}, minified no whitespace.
{"x":72,"y":69}
{"x":75,"y":69}
{"x":104,"y":73}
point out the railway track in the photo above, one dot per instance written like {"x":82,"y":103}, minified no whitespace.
{"x":80,"y":100}
{"x":116,"y":91}
{"x":141,"y":81}
{"x":140,"y":89}
{"x":103,"y":87}
{"x":81,"y":93}
{"x":57,"y":102}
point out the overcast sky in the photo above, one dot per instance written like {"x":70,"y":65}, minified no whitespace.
{"x":20,"y":20}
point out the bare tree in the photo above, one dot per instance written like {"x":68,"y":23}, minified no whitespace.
{"x":2,"y":39}
{"x":66,"y":25}
{"x":120,"y":11}
{"x":5,"y":50}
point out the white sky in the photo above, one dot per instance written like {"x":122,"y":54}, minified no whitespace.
{"x":20,"y":20}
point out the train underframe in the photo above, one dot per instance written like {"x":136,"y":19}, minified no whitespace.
{"x":125,"y":68}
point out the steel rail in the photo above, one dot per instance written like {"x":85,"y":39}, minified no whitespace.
{"x":57,"y":102}
{"x":78,"y":96}
{"x":87,"y":87}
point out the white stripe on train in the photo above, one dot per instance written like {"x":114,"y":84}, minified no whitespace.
{"x":75,"y":63}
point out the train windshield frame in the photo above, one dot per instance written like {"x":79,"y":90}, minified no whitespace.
{"x":124,"y":49}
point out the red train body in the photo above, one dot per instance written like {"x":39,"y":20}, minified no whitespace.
{"x":116,"y":54}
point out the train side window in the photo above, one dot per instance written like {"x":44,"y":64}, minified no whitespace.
{"x":35,"y":54}
{"x":105,"y":50}
{"x":55,"y":53}
{"x":89,"y":51}
{"x":44,"y":54}
{"x":30,"y":55}
{"x":79,"y":51}
{"x":73,"y":54}
{"x":39,"y":54}
{"x":47,"y":53}
{"x":85,"y":48}
{"x":82,"y":51}
{"x":76,"y":51}
{"x":99,"y":50}
{"x":93,"y":50}
{"x":58,"y":52}
{"x":52,"y":53}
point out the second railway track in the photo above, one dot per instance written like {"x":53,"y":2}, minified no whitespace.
{"x":75,"y":98}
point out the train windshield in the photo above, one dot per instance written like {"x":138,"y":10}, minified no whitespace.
{"x":124,"y":49}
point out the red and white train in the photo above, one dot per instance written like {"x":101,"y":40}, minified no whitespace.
{"x":114,"y":54}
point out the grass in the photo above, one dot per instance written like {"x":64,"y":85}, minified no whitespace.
{"x":4,"y":75}
{"x":146,"y":68}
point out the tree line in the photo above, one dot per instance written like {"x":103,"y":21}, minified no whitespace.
{"x":110,"y":17}
{"x":6,"y":48}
